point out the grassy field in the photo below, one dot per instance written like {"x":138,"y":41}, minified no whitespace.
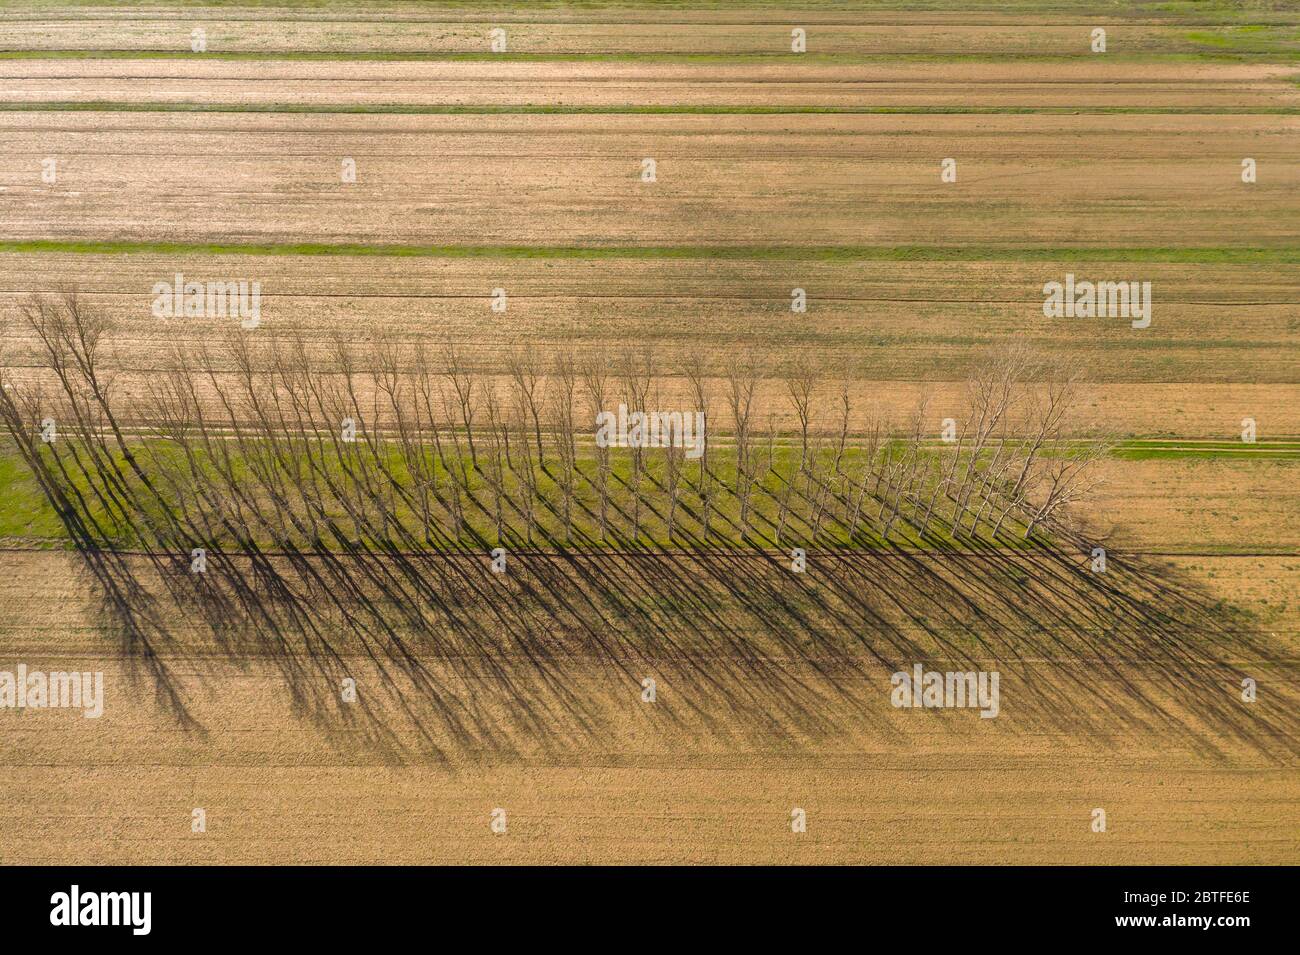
{"x":129,"y":158}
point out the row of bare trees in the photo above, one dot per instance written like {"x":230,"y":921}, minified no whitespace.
{"x":301,"y":445}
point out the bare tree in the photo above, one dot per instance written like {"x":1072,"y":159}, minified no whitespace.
{"x":701,"y":395}
{"x":1068,"y":478}
{"x":495,"y":469}
{"x":800,"y":383}
{"x":527,"y":468}
{"x":742,"y":382}
{"x":530,"y":386}
{"x":462,"y":383}
{"x":1050,"y":406}
{"x":990,"y":391}
{"x":565,"y":374}
{"x":595,"y":380}
{"x":902,"y":475}
{"x":636,"y":372}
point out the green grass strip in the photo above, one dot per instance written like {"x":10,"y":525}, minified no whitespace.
{"x":1219,"y":53}
{"x":379,"y":109}
{"x":896,"y":253}
{"x":1252,"y":453}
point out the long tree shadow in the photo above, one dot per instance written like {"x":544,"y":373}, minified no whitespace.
{"x":467,"y":663}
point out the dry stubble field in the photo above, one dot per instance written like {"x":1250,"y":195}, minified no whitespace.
{"x":522,"y":171}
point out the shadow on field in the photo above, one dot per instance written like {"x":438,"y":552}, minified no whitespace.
{"x":563,"y":649}
{"x":454,"y":660}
